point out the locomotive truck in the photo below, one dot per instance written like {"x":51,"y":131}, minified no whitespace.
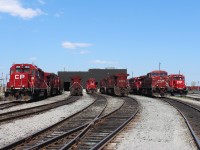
{"x":177,"y":85}
{"x":28,"y":82}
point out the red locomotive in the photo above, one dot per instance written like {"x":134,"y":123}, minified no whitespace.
{"x":115,"y":85}
{"x":135,"y":85}
{"x":54,"y":84}
{"x":28,"y":82}
{"x":91,"y":85}
{"x":193,"y":88}
{"x":155,"y":84}
{"x":177,"y":84}
{"x":76,"y":89}
{"x":102,"y":85}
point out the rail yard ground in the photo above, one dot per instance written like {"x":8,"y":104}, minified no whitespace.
{"x":157,"y":125}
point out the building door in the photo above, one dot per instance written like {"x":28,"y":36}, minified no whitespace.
{"x":66,"y":86}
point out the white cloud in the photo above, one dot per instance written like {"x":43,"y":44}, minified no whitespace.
{"x":41,"y":2}
{"x":97,"y":61}
{"x":15,"y":8}
{"x":70,"y":45}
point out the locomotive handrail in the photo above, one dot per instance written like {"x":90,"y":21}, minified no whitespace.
{"x":32,"y":87}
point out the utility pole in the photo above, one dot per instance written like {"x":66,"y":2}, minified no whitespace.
{"x":159,"y":65}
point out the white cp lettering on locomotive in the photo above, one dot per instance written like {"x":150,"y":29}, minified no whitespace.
{"x":21,"y":76}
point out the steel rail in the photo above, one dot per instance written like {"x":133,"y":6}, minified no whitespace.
{"x":196,"y":139}
{"x":36,"y":109}
{"x":89,"y":125}
{"x":50,"y":141}
{"x":106,"y":139}
{"x":9,"y":104}
{"x":193,"y":98}
{"x":14,"y":144}
{"x":185,"y":103}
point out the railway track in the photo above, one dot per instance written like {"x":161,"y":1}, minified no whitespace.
{"x":191,"y":114}
{"x":9,"y":104}
{"x":34,"y":110}
{"x":193,"y":97}
{"x":89,"y":129}
{"x":106,"y":127}
{"x":64,"y":130}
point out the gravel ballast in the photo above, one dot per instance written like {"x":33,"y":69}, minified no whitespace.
{"x":158,"y":126}
{"x":38,"y":103}
{"x":18,"y":129}
{"x":194,"y":102}
{"x":13,"y":131}
{"x":113,"y":104}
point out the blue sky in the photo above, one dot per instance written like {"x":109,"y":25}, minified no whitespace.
{"x":83,"y":34}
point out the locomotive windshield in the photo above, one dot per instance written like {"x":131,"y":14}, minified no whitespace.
{"x":154,"y":74}
{"x":158,"y":74}
{"x":19,"y":70}
{"x":163,"y":74}
{"x":178,"y":78}
{"x":26,"y":69}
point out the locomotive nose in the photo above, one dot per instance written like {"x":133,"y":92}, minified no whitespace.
{"x":161,"y":83}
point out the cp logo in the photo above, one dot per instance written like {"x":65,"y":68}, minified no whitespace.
{"x":21,"y":76}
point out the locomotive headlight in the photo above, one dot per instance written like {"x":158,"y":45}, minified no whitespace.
{"x":32,"y":78}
